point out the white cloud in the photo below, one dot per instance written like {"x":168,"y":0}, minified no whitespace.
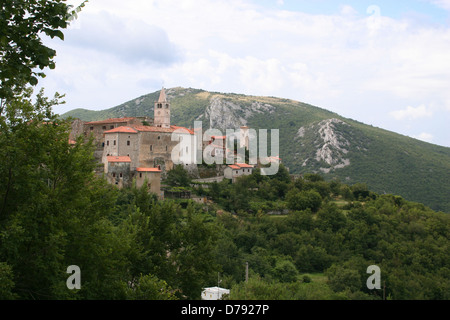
{"x":445,"y":4}
{"x":412,"y":113}
{"x":424,"y":136}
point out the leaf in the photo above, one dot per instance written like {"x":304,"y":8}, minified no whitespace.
{"x":33,"y":81}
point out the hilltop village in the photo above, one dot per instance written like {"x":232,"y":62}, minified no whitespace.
{"x":142,"y":149}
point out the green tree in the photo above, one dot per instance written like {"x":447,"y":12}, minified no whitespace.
{"x":178,"y":177}
{"x":6,"y":282}
{"x":302,"y":200}
{"x":341,"y":278}
{"x":149,"y":287}
{"x":54,"y":210}
{"x":22,"y":51}
{"x":285,"y":271}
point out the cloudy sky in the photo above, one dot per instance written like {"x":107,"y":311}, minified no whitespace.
{"x":384,"y":63}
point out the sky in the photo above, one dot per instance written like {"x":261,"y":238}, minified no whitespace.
{"x":383,"y":63}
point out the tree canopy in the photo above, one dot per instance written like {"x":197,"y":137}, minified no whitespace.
{"x":22,"y":50}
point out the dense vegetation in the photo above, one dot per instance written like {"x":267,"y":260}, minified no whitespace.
{"x":55,"y":212}
{"x":129,"y":245}
{"x":321,"y":249}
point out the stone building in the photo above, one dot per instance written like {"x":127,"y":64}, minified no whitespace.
{"x":151,"y":177}
{"x":139,"y":149}
{"x":117,"y":171}
{"x":237,"y":170}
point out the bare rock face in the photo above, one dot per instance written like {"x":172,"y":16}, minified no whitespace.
{"x":223,"y":114}
{"x":331,"y":147}
{"x":334,"y":144}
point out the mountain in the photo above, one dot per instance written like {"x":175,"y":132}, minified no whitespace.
{"x":312,"y":140}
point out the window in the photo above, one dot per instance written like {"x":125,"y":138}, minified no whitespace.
{"x":140,"y":175}
{"x":128,"y":143}
{"x":159,"y":137}
{"x":166,"y":148}
{"x":107,"y":143}
{"x":151,"y":148}
{"x":92,"y":128}
{"x":121,"y":175}
{"x":114,"y":142}
{"x":187,"y":150}
{"x":104,"y":128}
{"x":167,"y":106}
{"x":111,"y":127}
{"x":114,"y":175}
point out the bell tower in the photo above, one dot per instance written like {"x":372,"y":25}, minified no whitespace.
{"x":162,"y":111}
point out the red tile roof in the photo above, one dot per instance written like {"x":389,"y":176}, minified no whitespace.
{"x":148,"y":170}
{"x":122,"y":130}
{"x":232,"y":166}
{"x":118,"y":159}
{"x":188,"y":130}
{"x":244,"y":165}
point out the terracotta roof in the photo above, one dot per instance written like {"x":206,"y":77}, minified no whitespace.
{"x":112,"y":120}
{"x":118,"y":159}
{"x":219,"y":137}
{"x":148,"y":170}
{"x":232,"y":166}
{"x":122,"y":130}
{"x":188,"y":130}
{"x":244,"y":165}
{"x":274,"y":159}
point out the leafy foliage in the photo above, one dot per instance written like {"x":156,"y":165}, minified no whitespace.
{"x":22,"y":25}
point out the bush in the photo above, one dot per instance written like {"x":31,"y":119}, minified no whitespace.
{"x":302,"y":200}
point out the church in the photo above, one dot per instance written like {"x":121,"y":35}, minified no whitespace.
{"x":138,"y":149}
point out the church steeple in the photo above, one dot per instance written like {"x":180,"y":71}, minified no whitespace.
{"x":162,"y":96}
{"x":162,"y":111}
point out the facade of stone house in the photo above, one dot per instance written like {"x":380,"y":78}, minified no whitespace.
{"x":151,"y":177}
{"x":237,"y":170}
{"x":118,"y":171}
